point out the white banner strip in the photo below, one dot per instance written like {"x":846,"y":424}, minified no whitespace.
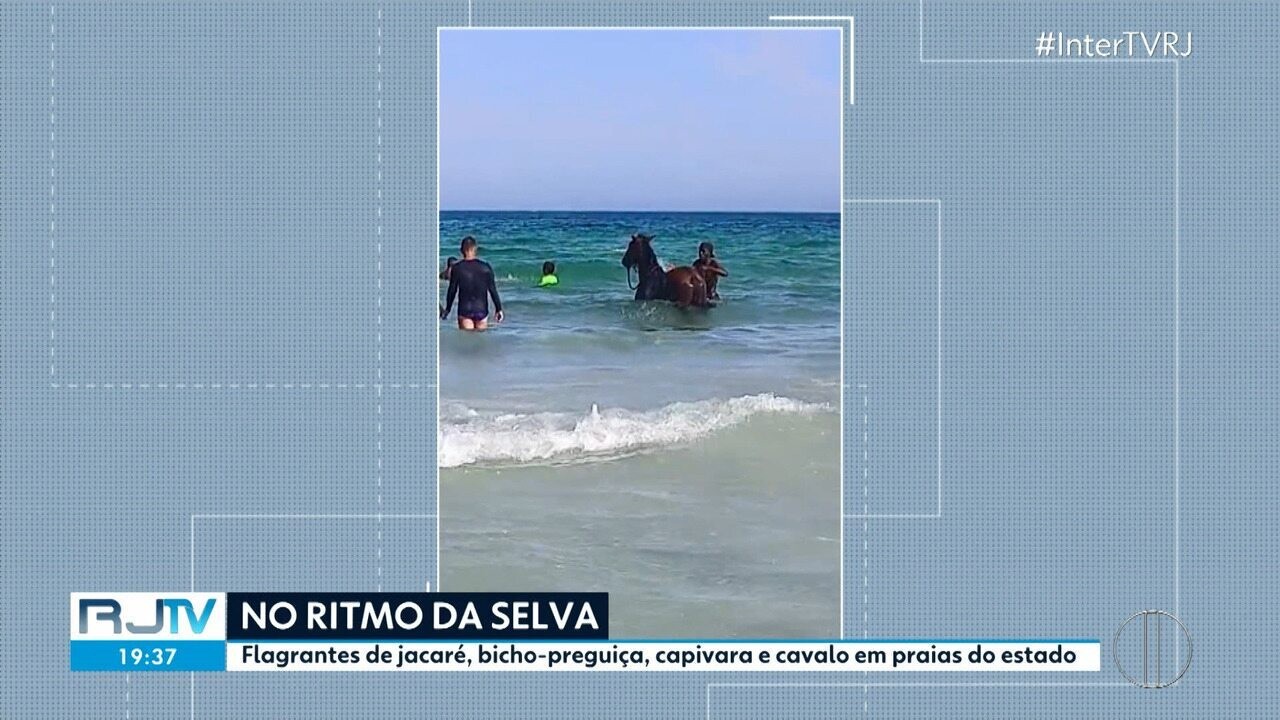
{"x":670,"y":656}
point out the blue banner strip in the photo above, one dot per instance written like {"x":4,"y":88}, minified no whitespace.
{"x":157,"y":656}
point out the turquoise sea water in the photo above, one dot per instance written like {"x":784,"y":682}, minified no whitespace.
{"x":687,"y":461}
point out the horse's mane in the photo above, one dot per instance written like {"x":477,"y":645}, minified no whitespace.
{"x":650,"y":255}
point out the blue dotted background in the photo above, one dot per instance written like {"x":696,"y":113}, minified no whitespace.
{"x":201,"y":319}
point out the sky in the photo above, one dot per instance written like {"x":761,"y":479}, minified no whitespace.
{"x":713,"y":120}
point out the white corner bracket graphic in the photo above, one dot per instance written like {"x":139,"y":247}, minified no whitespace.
{"x":844,"y":18}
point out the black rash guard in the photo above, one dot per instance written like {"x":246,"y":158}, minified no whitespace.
{"x":469,"y":282}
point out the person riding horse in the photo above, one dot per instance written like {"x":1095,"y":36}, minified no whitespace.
{"x":682,"y":285}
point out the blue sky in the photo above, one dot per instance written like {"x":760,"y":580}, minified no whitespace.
{"x":640,"y":120}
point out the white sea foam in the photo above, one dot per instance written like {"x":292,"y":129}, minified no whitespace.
{"x":468,"y":438}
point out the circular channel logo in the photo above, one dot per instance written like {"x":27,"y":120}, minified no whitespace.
{"x":1152,"y":649}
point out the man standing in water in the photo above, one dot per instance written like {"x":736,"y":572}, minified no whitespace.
{"x":471,"y":282}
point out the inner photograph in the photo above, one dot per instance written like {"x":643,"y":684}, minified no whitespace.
{"x":640,"y":323}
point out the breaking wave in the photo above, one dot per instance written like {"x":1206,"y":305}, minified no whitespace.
{"x":469,"y":438}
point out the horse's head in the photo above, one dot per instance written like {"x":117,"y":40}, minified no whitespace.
{"x":639,"y":252}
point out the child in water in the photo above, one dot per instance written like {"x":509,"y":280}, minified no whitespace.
{"x":448,"y":268}
{"x":710,"y":268}
{"x":548,"y":275}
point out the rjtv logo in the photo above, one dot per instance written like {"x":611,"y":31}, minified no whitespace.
{"x":171,"y":616}
{"x":148,"y":631}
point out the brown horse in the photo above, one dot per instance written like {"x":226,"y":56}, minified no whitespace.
{"x":682,"y":285}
